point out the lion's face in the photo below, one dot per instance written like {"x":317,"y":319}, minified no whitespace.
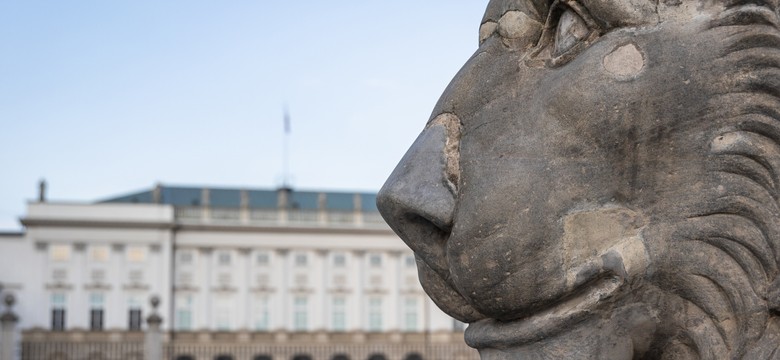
{"x":558,"y":159}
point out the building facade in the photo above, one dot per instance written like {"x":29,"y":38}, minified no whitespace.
{"x":241,"y":274}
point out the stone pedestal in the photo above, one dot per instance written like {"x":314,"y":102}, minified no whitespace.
{"x":8,"y":321}
{"x":153,"y":347}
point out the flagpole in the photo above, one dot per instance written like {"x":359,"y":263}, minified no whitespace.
{"x":286,"y":150}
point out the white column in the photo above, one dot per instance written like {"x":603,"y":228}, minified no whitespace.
{"x":394,"y":322}
{"x":114,"y":276}
{"x":78,"y":315}
{"x":358,"y":298}
{"x":319,"y":298}
{"x":242,"y":284}
{"x":203,"y":320}
{"x":282,"y":319}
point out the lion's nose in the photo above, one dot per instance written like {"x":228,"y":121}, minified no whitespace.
{"x":418,"y":199}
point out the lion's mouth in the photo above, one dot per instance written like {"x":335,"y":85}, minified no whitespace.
{"x":496,"y":334}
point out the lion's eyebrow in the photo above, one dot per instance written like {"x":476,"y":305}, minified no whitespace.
{"x":535,"y":9}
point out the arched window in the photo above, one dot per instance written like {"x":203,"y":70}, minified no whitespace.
{"x":413,"y":356}
{"x":223,"y":357}
{"x":377,"y":357}
{"x":263,"y":357}
{"x":185,"y":357}
{"x":340,"y":357}
{"x":301,"y":357}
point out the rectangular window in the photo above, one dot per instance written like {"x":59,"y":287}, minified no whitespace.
{"x":262,"y":259}
{"x":136,"y":254}
{"x":339,"y":317}
{"x":134,"y":314}
{"x":300,"y":313}
{"x":223,"y":313}
{"x":301,"y":259}
{"x":184,"y":314}
{"x":375,"y":260}
{"x":262,"y":314}
{"x":458,"y":326}
{"x":98,"y":253}
{"x":223,"y":258}
{"x":410,"y":314}
{"x":375,"y":314}
{"x":59,"y":252}
{"x":58,"y":311}
{"x":410,"y":261}
{"x":135,"y":322}
{"x":96,"y":301}
{"x":339,"y":260}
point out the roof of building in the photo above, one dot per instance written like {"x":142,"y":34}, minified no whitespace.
{"x":184,"y":196}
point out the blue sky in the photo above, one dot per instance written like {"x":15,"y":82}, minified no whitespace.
{"x":106,"y":97}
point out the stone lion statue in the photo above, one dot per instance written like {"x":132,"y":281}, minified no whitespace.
{"x":601,"y":181}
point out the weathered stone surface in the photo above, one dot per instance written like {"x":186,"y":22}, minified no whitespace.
{"x":601,"y":181}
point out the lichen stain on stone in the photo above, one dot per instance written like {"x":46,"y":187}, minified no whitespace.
{"x":625,"y":62}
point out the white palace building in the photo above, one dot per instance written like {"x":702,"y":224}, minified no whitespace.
{"x":240,"y":274}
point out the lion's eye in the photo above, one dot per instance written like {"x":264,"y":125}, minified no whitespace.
{"x":571,"y":30}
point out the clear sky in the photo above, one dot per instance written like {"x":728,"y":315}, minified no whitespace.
{"x":102,"y":98}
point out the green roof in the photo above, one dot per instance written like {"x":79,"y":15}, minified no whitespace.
{"x":183,"y":196}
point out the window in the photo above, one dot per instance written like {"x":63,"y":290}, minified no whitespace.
{"x":134,"y":314}
{"x":339,"y":260}
{"x":375,"y":260}
{"x":96,"y":301}
{"x":375,"y":314}
{"x":301,"y":259}
{"x":263,"y":357}
{"x":223,"y":258}
{"x":136,"y":254}
{"x":183,"y":316}
{"x":410,"y":314}
{"x":223,"y":357}
{"x":301,"y":357}
{"x":340,"y":357}
{"x":262,"y":313}
{"x":300,"y":313}
{"x":339,"y":316}
{"x":262,"y":259}
{"x":98,"y":253}
{"x":58,"y":303}
{"x":458,"y":325}
{"x":410,"y":261}
{"x":413,"y":356}
{"x":223,"y":313}
{"x":59,"y":252}
{"x":185,"y":257}
{"x":377,"y":357}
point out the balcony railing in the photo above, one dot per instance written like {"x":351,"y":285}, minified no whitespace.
{"x":279,"y":217}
